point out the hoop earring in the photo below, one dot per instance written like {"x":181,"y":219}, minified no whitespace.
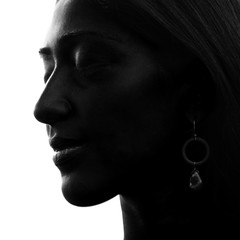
{"x":195,"y":151}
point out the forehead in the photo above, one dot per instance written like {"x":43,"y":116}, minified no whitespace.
{"x":69,"y":13}
{"x":86,"y":15}
{"x":79,"y":15}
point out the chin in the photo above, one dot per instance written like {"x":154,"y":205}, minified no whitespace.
{"x":86,"y":195}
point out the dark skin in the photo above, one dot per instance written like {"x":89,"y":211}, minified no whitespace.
{"x":110,"y":89}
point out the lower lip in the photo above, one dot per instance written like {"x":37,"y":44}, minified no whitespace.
{"x":68,"y":156}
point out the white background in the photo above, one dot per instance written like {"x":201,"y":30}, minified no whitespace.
{"x":31,"y":203}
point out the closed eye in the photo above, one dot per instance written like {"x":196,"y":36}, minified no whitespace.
{"x":95,"y":72}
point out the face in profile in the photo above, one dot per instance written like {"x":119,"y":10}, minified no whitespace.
{"x":110,"y":109}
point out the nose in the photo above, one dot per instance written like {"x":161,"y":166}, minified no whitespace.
{"x":51,"y":112}
{"x":52,"y":107}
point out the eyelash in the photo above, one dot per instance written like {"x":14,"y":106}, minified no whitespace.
{"x":91,"y":70}
{"x":87,"y":71}
{"x":87,"y":66}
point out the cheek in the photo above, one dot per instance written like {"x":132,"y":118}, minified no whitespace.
{"x":130,"y":121}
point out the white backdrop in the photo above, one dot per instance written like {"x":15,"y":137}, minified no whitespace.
{"x":31,"y":203}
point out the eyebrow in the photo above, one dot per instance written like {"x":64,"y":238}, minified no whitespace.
{"x":46,"y":51}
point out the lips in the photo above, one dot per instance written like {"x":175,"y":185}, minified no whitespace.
{"x":67,"y":150}
{"x":59,"y":144}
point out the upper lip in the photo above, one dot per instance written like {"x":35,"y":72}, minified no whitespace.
{"x":59,"y":144}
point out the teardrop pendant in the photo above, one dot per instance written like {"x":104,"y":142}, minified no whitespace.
{"x":195,"y":180}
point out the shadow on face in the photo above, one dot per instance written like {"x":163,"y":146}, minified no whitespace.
{"x":109,"y":103}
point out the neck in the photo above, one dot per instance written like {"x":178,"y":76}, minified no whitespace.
{"x":143,"y":214}
{"x":155,"y":197}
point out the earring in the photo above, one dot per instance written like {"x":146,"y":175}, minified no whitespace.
{"x":195,"y":151}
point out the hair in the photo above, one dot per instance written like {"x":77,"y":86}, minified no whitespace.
{"x":211,"y":30}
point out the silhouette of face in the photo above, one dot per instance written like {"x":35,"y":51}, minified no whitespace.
{"x":110,"y":109}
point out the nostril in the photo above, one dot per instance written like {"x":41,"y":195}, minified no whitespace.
{"x":51,"y":112}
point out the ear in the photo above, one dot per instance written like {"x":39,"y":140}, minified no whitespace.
{"x":201,"y":94}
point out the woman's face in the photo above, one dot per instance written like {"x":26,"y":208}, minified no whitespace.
{"x":111,"y":112}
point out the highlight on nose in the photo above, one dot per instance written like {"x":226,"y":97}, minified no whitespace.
{"x":49,"y":112}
